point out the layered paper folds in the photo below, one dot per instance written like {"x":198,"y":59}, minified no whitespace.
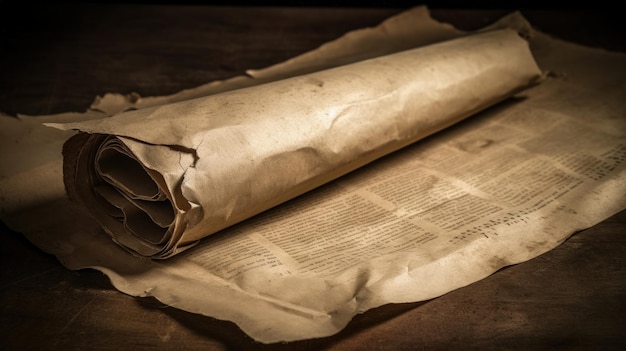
{"x":161,"y":178}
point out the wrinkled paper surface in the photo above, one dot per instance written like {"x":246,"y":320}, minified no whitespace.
{"x":161,"y":178}
{"x":502,"y":187}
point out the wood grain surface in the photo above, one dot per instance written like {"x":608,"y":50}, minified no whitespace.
{"x":57,"y":58}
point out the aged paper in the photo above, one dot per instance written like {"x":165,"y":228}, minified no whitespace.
{"x":160,"y":178}
{"x":498,"y":189}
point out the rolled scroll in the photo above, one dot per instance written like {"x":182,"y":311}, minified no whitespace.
{"x":161,"y":178}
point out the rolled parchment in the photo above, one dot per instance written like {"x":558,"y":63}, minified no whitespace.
{"x":161,"y":178}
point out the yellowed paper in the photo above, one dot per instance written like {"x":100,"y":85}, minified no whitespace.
{"x":163,"y":177}
{"x":503,"y":187}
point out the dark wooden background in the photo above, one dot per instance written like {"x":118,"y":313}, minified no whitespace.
{"x":57,"y":58}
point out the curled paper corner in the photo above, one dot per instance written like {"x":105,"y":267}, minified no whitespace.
{"x":515,"y":21}
{"x":114,"y":103}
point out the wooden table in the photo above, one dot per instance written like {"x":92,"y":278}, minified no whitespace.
{"x":56,"y":58}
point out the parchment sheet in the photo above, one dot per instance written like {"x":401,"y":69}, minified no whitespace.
{"x":501,"y":188}
{"x":158,"y":179}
